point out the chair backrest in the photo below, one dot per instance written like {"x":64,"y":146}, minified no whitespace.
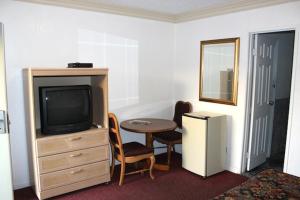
{"x":181,"y":107}
{"x":114,"y":134}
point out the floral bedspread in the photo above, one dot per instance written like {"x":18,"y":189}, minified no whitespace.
{"x":269,"y":184}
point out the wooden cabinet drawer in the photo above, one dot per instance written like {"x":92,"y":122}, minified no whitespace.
{"x":65,"y":143}
{"x":73,"y":159}
{"x":76,"y":174}
{"x":74,"y":186}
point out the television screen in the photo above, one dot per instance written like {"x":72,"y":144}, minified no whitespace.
{"x":65,"y":109}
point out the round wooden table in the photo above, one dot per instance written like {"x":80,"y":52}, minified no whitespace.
{"x":149,"y":126}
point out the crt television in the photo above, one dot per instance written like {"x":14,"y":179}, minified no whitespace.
{"x":65,"y":109}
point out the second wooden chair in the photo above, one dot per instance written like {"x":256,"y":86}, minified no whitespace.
{"x":171,"y":138}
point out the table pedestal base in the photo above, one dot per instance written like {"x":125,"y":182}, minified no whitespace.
{"x":149,"y":143}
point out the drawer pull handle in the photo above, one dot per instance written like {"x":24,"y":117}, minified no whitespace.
{"x":75,"y":138}
{"x":75,"y":155}
{"x":76,"y":171}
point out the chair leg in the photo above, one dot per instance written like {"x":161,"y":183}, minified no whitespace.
{"x":169,"y":154}
{"x":122,"y":173}
{"x":152,"y":162}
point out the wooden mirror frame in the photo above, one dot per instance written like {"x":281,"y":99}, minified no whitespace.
{"x":236,"y":42}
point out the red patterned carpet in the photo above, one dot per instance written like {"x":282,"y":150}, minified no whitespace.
{"x":177,"y":184}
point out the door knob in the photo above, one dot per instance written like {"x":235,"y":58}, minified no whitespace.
{"x":271,"y":103}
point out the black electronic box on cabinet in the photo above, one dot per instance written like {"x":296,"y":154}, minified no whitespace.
{"x":80,"y":65}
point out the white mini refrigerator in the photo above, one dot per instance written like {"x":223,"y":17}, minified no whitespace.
{"x":204,"y":143}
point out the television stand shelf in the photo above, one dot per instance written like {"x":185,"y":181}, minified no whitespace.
{"x":67,"y":162}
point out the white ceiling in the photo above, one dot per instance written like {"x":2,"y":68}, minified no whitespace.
{"x":164,"y":10}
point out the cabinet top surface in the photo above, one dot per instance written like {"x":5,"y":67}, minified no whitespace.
{"x":204,"y":114}
{"x":66,"y":71}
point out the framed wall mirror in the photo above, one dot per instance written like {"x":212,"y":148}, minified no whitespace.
{"x":219,"y":70}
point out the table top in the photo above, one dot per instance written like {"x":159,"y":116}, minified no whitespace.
{"x":148,"y":125}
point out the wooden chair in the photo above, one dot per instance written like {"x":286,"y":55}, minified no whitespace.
{"x":131,"y":152}
{"x":174,"y":137}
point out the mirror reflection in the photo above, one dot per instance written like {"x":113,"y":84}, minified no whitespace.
{"x":218,"y":78}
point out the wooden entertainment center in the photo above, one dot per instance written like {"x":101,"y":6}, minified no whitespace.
{"x":67,"y":162}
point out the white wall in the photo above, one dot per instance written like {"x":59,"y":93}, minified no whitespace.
{"x":186,"y":75}
{"x":138,"y":52}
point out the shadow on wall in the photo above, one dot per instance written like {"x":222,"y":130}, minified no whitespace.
{"x":161,"y":109}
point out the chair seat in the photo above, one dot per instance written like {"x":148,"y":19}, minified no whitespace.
{"x":172,"y":137}
{"x":135,"y":149}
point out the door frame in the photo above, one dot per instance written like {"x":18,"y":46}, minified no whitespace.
{"x":248,"y":111}
{"x":5,"y":137}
